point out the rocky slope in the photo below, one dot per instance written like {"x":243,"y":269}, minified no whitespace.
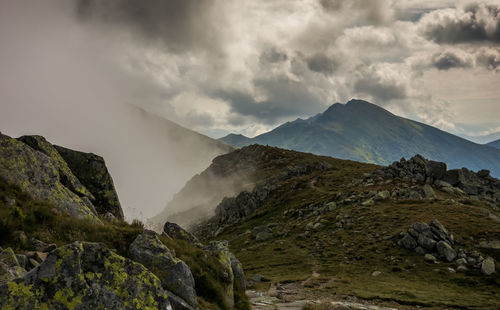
{"x":361,"y":131}
{"x":319,"y":228}
{"x":64,"y":244}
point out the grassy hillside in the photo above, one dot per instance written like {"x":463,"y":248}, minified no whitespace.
{"x":364,"y":132}
{"x":326,"y":241}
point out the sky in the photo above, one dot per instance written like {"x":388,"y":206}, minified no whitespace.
{"x":246,"y":66}
{"x":72,"y":69}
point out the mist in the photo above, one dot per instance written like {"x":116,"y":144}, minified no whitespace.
{"x":72,"y":83}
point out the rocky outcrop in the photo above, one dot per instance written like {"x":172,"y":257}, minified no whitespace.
{"x":85,"y":275}
{"x":39,"y":175}
{"x":174,"y":231}
{"x":434,"y":242}
{"x":223,"y":255}
{"x":456,"y":182}
{"x":91,"y":170}
{"x":174,"y":274}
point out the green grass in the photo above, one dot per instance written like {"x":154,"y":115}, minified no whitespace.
{"x":345,"y":258}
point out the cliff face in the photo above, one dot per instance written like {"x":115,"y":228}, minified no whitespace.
{"x":75,"y":182}
{"x":91,"y":170}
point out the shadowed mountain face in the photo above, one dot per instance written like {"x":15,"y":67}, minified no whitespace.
{"x":495,"y":144}
{"x":364,"y":132}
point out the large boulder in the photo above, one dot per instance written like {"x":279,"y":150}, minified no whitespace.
{"x":174,"y":274}
{"x":38,"y":175}
{"x":91,"y":170}
{"x":85,"y":275}
{"x":232,"y":269}
{"x":174,"y":231}
{"x":446,"y":251}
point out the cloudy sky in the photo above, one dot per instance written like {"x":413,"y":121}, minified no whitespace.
{"x":246,"y":66}
{"x":219,"y":66}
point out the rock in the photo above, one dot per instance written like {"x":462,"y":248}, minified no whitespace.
{"x":223,"y":255}
{"x":488,"y":266}
{"x":426,"y":242}
{"x":318,"y":226}
{"x":238,"y":273}
{"x":446,"y":251}
{"x":38,"y":175}
{"x":435,"y":170}
{"x":376,"y":273}
{"x":9,"y":266}
{"x":420,"y":250}
{"x":174,"y":231}
{"x":408,"y":242}
{"x":263,"y":236}
{"x":462,"y":268}
{"x":450,"y":270}
{"x":173,"y":273}
{"x":429,"y":192}
{"x":260,"y":229}
{"x":383,"y":195}
{"x":85,"y":275}
{"x":441,"y":184}
{"x":420,"y":227}
{"x":430,"y":258}
{"x":461,"y":261}
{"x":92,"y":172}
{"x":22,"y":259}
{"x":41,"y":246}
{"x":483,"y":173}
{"x":38,"y":256}
{"x":33,"y":262}
{"x":492,"y":244}
{"x":368,"y":203}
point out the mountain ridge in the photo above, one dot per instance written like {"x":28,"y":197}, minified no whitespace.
{"x":362,"y":131}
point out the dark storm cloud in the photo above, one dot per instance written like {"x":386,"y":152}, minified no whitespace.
{"x":381,"y":91}
{"x":321,"y":63}
{"x":479,"y":22}
{"x":449,"y":60}
{"x":272,"y":55}
{"x":283,"y":98}
{"x":178,"y":24}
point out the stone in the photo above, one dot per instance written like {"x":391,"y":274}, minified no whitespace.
{"x":318,"y":226}
{"x":173,"y":273}
{"x":435,"y":170}
{"x":41,"y":246}
{"x":430,"y":258}
{"x":446,"y":251}
{"x":420,"y":227}
{"x":450,"y":270}
{"x":429,"y":192}
{"x":462,"y":268}
{"x":367,"y":203}
{"x":426,"y":242}
{"x":220,"y":250}
{"x":259,"y":229}
{"x":441,"y":184}
{"x":488,"y":266}
{"x":420,"y":250}
{"x":383,"y":195}
{"x":263,"y":236}
{"x":92,"y":172}
{"x":436,"y":224}
{"x":461,"y":261}
{"x":9,"y":266}
{"x":85,"y":275}
{"x":408,"y":242}
{"x":174,"y":231}
{"x":39,"y":175}
{"x":376,"y":273}
{"x":483,"y":173}
{"x":33,"y":262}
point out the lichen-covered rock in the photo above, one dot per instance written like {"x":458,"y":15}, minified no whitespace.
{"x":85,"y":275}
{"x":67,"y":177}
{"x":174,"y":274}
{"x":174,"y":231}
{"x":9,"y":266}
{"x":488,"y":266}
{"x":38,"y":175}
{"x":92,"y":172}
{"x":223,"y":255}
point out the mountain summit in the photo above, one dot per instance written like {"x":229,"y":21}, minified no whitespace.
{"x":362,"y":131}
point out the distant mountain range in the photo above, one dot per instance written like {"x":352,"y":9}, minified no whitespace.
{"x":362,"y":131}
{"x":495,"y":144}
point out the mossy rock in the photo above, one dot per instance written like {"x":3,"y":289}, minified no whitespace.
{"x":92,"y":172}
{"x":85,"y":275}
{"x":174,"y":274}
{"x":38,"y":175}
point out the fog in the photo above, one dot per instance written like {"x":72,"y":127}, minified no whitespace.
{"x":67,"y":81}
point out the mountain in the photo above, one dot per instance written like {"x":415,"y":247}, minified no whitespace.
{"x":495,"y":144}
{"x":318,"y":229}
{"x":364,"y":132}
